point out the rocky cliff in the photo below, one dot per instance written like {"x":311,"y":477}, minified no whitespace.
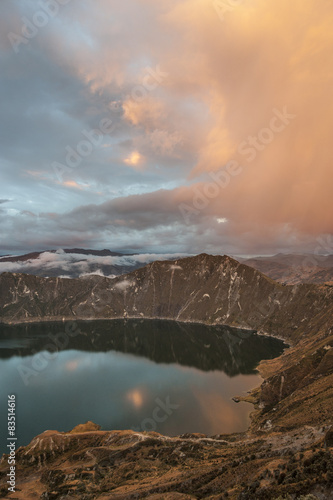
{"x":205,"y":288}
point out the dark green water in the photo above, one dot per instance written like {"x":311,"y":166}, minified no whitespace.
{"x":136,"y":374}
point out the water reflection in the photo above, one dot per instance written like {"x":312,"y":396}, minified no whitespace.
{"x":231,"y":350}
{"x":145,"y":375}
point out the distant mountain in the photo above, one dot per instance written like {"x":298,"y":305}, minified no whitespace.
{"x":80,"y":251}
{"x":292,"y":269}
{"x":77,"y":262}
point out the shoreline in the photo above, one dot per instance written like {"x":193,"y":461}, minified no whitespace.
{"x":248,"y":398}
{"x":55,"y":319}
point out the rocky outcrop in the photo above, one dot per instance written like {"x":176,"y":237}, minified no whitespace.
{"x":90,"y":464}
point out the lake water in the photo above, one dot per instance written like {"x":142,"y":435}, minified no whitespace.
{"x":156,"y":375}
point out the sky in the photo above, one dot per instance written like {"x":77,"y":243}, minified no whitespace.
{"x":166,"y":126}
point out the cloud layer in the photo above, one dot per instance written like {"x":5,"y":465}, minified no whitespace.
{"x":74,"y":265}
{"x":219,"y":126}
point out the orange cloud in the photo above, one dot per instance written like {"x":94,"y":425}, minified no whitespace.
{"x":135,"y":160}
{"x":225,"y":79}
{"x":148,"y":112}
{"x":74,"y":184}
{"x":264,"y":56}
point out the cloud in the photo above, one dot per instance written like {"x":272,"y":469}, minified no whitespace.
{"x":123,"y":285}
{"x":161,"y":142}
{"x":147,"y":113}
{"x":98,"y":272}
{"x":81,"y":265}
{"x":135,"y":160}
{"x":188,"y":93}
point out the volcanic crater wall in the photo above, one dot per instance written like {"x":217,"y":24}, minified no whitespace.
{"x":205,"y":288}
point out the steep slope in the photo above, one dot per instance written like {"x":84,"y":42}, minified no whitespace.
{"x":89,"y":464}
{"x":205,"y":288}
{"x":293,"y":269}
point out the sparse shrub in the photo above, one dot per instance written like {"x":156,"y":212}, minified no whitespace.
{"x":281,"y":478}
{"x":302,"y":497}
{"x":308,"y":497}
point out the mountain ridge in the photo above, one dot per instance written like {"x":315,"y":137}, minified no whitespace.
{"x":295,"y":268}
{"x":203,"y":288}
{"x":80,"y":251}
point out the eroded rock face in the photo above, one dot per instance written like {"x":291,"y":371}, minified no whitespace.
{"x":129,"y":465}
{"x":87,"y":427}
{"x":309,"y":369}
{"x":208,"y":289}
